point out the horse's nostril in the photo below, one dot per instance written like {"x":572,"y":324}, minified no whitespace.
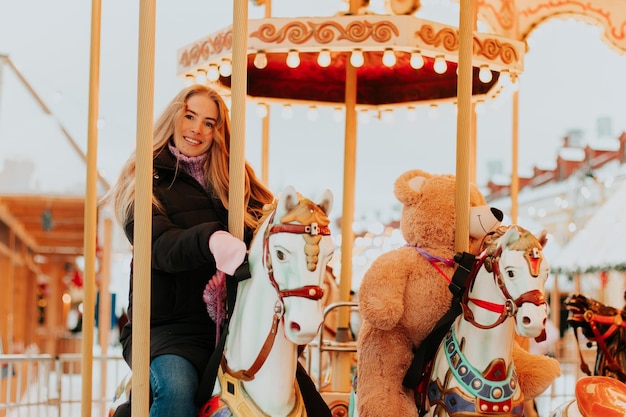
{"x":294,"y":326}
{"x":526,"y":320}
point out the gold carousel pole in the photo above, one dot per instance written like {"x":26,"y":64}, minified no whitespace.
{"x":341,"y":366}
{"x":474,"y":124}
{"x":238,"y":102}
{"x":515,"y":158}
{"x":143,"y":211}
{"x":91,"y":195}
{"x":104,"y":311}
{"x":464,"y":124}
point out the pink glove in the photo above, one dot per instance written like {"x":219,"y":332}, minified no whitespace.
{"x":229,"y":252}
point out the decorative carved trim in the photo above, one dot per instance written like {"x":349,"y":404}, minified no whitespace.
{"x":324,"y":33}
{"x":587,"y":9}
{"x":448,"y":37}
{"x":490,"y":48}
{"x":202,"y":50}
{"x":505,"y":15}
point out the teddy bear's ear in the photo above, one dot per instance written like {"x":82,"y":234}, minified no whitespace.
{"x":409,"y":185}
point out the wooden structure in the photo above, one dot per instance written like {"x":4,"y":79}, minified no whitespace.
{"x":41,"y":236}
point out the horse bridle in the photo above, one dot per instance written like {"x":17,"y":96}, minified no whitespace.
{"x":510,"y":306}
{"x":312,"y":292}
{"x":616,"y":322}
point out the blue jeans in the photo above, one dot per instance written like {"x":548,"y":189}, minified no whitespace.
{"x":174,"y":382}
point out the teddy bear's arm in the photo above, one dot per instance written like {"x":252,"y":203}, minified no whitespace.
{"x":381,"y":295}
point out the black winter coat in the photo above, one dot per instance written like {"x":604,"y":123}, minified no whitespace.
{"x":181,"y":265}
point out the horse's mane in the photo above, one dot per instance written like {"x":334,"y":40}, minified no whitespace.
{"x":491,"y":242}
{"x":306,"y":212}
{"x":527,"y":240}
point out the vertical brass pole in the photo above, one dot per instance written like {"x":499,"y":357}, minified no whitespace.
{"x":464,"y":124}
{"x":238,"y":135}
{"x":341,"y":365}
{"x":515,"y":160}
{"x":143,"y":211}
{"x":474,"y":128}
{"x":91,"y":208}
{"x":104,"y":311}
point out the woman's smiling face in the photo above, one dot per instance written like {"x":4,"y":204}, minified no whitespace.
{"x":194,"y":130}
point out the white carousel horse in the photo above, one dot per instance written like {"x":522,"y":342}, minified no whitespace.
{"x":473,"y":373}
{"x":277,"y":309}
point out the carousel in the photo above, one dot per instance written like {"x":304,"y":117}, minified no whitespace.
{"x":356,"y":61}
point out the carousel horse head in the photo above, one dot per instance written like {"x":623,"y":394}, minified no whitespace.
{"x":603,"y":325}
{"x":581,"y":309}
{"x":294,"y":246}
{"x":514,"y":257}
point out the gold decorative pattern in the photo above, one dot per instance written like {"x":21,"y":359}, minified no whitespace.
{"x":490,"y":48}
{"x":325,"y":32}
{"x":587,"y":8}
{"x":201,"y":51}
{"x":505,"y":15}
{"x":447,"y":37}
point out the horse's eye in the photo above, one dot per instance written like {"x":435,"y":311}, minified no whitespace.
{"x":280,"y":255}
{"x":510,"y":273}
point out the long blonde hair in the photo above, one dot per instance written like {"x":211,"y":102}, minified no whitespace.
{"x":215,"y":168}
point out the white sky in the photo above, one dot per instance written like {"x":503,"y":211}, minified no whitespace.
{"x":571,"y":78}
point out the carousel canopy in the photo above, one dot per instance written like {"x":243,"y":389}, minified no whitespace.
{"x":400,"y":60}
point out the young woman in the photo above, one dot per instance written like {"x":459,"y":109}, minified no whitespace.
{"x":190,"y":243}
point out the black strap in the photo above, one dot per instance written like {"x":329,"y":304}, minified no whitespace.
{"x":207,"y":383}
{"x":426,"y":351}
{"x":465,"y":263}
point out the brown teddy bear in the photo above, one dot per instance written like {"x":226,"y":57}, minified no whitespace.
{"x":405,"y":292}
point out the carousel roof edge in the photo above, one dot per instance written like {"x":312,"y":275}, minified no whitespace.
{"x":365,"y":32}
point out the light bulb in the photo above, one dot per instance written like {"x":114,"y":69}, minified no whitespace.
{"x":201,"y":76}
{"x":417,"y":60}
{"x":260,"y":60}
{"x":312,"y":114}
{"x":226,"y":68}
{"x":505,"y":79}
{"x":389,"y":58}
{"x":387,"y":116}
{"x":515,"y":82}
{"x":287,"y":112}
{"x":411,"y":113}
{"x":189,"y":80}
{"x":213,"y":73}
{"x":433,"y":111}
{"x":323,"y":58}
{"x":440,"y":66}
{"x":261,"y":110}
{"x":364,"y":116}
{"x":484,"y":74}
{"x":356,"y":58}
{"x":480,"y":107}
{"x":293,"y":59}
{"x":338,"y":114}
